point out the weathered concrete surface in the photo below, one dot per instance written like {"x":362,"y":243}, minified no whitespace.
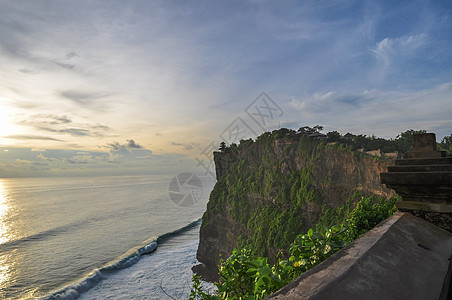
{"x":405,"y":257}
{"x":440,"y":215}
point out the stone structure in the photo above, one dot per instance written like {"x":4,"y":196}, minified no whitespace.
{"x":404,"y":257}
{"x":424,"y":145}
{"x":424,"y":181}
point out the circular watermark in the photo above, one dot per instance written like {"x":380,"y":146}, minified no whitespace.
{"x":185,"y":189}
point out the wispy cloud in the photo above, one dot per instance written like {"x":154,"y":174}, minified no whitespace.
{"x":131,"y":144}
{"x":128,"y":152}
{"x":65,"y":65}
{"x":32,"y":137}
{"x":29,"y":71}
{"x":85,"y":98}
{"x":44,"y":158}
{"x":186,"y":147}
{"x":392,"y":53}
{"x":71,"y":131}
{"x":62,"y":124}
{"x":51,"y":119}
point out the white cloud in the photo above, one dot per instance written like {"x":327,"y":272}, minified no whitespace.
{"x":44,"y":158}
{"x":391,"y":52}
{"x":23,"y":161}
{"x":298,"y":104}
{"x":323,"y":97}
{"x":383,"y":113}
{"x":400,"y":46}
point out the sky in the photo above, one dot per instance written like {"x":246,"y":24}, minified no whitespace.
{"x":152,"y":87}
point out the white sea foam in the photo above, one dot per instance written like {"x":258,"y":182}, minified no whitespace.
{"x":183,"y":257}
{"x":168,"y":270}
{"x":73,"y":291}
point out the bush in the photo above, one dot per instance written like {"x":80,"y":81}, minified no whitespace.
{"x":368,"y":213}
{"x":314,"y":247}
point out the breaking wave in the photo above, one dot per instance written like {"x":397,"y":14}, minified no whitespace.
{"x":126,"y":260}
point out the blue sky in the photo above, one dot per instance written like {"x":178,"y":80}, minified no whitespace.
{"x":136,"y":87}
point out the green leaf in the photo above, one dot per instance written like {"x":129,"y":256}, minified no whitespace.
{"x":327,"y":249}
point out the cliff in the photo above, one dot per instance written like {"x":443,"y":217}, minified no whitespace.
{"x":270,"y":190}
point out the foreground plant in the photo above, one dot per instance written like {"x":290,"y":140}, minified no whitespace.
{"x":314,"y":247}
{"x":243,"y":276}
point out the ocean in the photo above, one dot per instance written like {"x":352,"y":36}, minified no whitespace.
{"x":115,"y":237}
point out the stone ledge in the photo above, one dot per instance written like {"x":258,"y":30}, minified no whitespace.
{"x":420,"y":168}
{"x":405,"y":257}
{"x":425,"y":206}
{"x":417,"y":178}
{"x":421,"y":154}
{"x":423,"y":161}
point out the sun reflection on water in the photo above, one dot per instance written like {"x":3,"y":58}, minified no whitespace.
{"x":4,"y":231}
{"x":4,"y":208}
{"x":4,"y":271}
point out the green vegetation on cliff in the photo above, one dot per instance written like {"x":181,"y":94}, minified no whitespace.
{"x":247,"y":276}
{"x":270,"y":196}
{"x":269,"y":199}
{"x":368,"y":212}
{"x":286,"y":182}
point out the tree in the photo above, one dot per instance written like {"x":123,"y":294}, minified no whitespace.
{"x":222,"y":146}
{"x":405,"y":139}
{"x":333,"y":136}
{"x":309,"y":130}
{"x":446,"y":145}
{"x":318,"y":128}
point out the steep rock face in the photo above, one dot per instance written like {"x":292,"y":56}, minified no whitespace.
{"x":338,"y":173}
{"x":287,"y":181}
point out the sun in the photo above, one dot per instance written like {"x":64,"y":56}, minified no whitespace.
{"x":6,"y":125}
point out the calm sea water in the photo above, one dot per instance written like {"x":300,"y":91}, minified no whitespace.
{"x":65,"y":237}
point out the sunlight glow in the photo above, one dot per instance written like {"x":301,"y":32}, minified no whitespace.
{"x":4,"y":236}
{"x":6,"y":125}
{"x":4,"y":207}
{"x":4,"y":270}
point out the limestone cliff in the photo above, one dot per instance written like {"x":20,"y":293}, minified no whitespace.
{"x":270,"y":190}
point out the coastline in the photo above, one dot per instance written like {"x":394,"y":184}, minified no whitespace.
{"x":161,"y":266}
{"x":167,"y":271}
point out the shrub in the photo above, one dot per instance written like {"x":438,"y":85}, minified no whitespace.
{"x":368,"y":213}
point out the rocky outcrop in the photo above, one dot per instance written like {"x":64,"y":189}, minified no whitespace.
{"x":338,"y":173}
{"x":334,"y":175}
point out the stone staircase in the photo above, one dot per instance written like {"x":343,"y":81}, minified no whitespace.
{"x":424,"y":181}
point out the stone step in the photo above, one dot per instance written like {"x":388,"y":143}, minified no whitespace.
{"x":417,"y":178}
{"x":424,"y":193}
{"x":425,"y":154}
{"x":424,"y":161}
{"x":420,"y":168}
